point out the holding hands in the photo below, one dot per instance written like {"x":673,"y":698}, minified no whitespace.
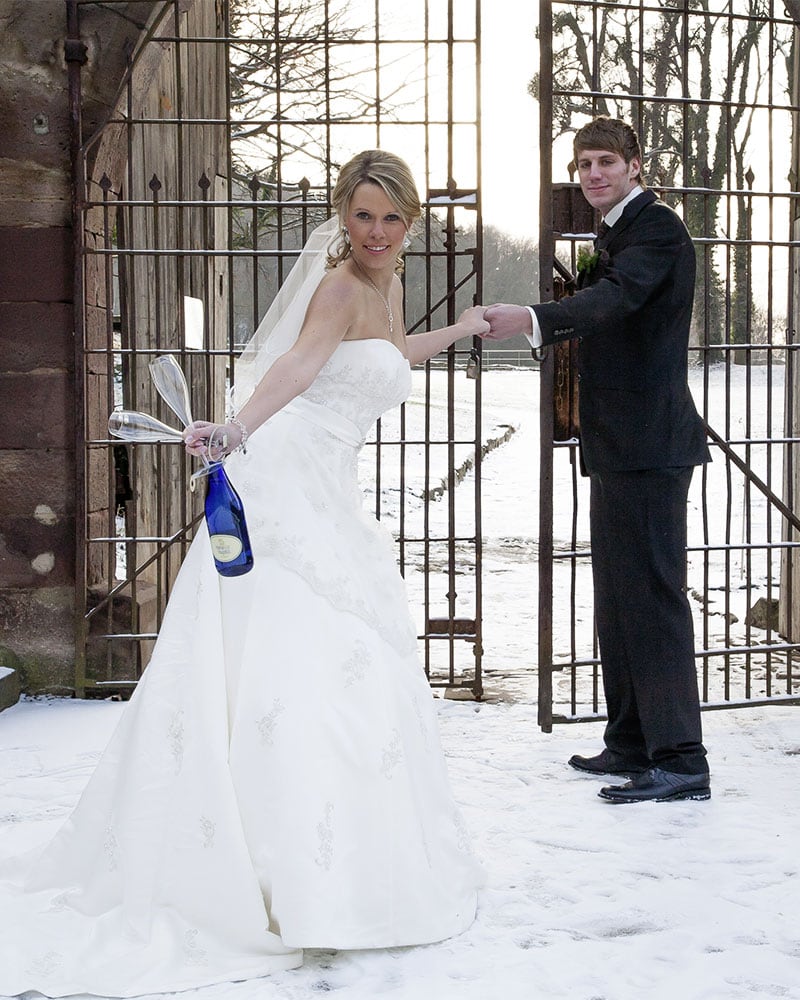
{"x":474,"y":322}
{"x":506,"y":321}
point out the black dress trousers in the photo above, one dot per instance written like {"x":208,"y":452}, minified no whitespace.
{"x":644,"y":622}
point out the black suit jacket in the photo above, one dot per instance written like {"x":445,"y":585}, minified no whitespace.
{"x":631,"y":315}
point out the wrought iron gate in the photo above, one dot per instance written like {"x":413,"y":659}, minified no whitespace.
{"x":193,"y":200}
{"x":710,"y":89}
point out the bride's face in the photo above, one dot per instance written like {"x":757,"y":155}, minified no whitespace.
{"x":376,"y":227}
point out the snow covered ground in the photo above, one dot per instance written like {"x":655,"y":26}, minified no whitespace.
{"x":584,"y":900}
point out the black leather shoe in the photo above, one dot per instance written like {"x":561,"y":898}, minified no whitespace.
{"x":656,"y":785}
{"x":606,"y":762}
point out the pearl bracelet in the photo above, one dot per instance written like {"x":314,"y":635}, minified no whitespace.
{"x":242,"y":446}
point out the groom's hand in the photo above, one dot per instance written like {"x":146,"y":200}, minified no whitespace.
{"x":506,"y":321}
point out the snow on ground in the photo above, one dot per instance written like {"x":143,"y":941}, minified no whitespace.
{"x":584,"y":900}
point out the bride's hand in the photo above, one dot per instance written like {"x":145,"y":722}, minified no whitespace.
{"x":474,"y":321}
{"x":212,"y":441}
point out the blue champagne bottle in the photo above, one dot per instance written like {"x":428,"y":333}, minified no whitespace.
{"x":227,"y":527}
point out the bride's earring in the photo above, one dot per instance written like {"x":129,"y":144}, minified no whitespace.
{"x":407,"y":242}
{"x":346,"y":236}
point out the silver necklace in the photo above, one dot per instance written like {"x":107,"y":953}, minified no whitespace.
{"x":384,"y":300}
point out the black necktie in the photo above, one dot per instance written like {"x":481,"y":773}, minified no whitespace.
{"x":602,"y":229}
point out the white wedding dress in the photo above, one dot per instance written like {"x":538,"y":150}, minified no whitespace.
{"x":277,"y":780}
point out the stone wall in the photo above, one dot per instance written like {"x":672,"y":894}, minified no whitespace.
{"x":38,"y":403}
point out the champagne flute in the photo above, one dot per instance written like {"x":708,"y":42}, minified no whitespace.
{"x":132,"y":425}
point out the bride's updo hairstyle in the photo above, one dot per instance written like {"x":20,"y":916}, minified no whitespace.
{"x":389,"y":172}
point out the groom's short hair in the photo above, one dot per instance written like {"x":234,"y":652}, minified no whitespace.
{"x":612,"y":134}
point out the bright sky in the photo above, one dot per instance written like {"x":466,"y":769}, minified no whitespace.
{"x":510,"y":117}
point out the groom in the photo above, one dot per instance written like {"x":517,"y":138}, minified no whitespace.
{"x":640,"y":436}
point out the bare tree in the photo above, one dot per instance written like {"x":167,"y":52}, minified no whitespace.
{"x":297,"y":66}
{"x":298,"y":69}
{"x":285,"y":83}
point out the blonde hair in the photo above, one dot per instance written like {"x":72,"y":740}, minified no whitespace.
{"x":388,"y":172}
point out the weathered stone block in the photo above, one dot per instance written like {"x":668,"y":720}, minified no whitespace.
{"x":37,"y":518}
{"x":101,"y":480}
{"x":99,"y":403}
{"x":47,"y":399}
{"x":35,"y":264}
{"x":9,"y":686}
{"x":39,"y":484}
{"x":34,"y":194}
{"x":36,"y":336}
{"x":764,"y":614}
{"x":34,"y":115}
{"x":34,"y":554}
{"x":38,"y":627}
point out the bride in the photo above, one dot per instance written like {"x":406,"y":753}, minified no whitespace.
{"x":277,"y":780}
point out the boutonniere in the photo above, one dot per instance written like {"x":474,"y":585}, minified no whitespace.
{"x":587,"y":258}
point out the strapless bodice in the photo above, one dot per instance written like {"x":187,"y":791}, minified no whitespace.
{"x":362,"y":380}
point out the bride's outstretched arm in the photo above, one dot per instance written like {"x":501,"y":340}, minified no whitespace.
{"x":421,"y":346}
{"x":327,"y":320}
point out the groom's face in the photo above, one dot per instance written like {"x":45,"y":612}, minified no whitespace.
{"x":606,"y":178}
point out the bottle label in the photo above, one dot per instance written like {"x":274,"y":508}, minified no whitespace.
{"x":226,"y":548}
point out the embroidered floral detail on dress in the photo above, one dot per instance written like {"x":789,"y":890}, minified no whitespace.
{"x":175,"y":734}
{"x":292,"y":551}
{"x":266,"y":724}
{"x":111,"y":849}
{"x":325,"y":836}
{"x":195,"y":955}
{"x":46,"y":964}
{"x":208,"y":829}
{"x":341,"y":459}
{"x":363,"y":390}
{"x":392,"y":755}
{"x":423,"y":729}
{"x":61,"y":901}
{"x":355,"y":666}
